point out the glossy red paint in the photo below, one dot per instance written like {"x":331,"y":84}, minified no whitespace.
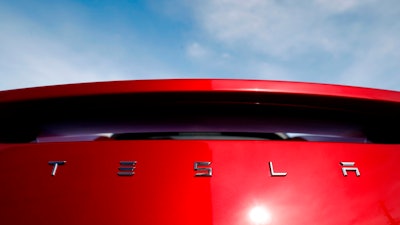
{"x":199,"y":85}
{"x":86,"y":190}
{"x":164,"y":190}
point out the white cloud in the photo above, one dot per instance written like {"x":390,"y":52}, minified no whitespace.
{"x":197,"y":51}
{"x":377,"y":66}
{"x":337,"y":34}
{"x":340,"y":5}
{"x":351,"y":42}
{"x":271,"y":27}
{"x":268,"y":71}
{"x":32,"y":54}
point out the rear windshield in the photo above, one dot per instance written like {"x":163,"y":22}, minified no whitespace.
{"x":199,"y":116}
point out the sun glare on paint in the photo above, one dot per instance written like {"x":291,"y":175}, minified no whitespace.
{"x":259,"y":215}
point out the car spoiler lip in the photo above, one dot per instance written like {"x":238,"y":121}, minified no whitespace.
{"x":198,"y":85}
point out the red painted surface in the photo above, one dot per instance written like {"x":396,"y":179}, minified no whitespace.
{"x":200,"y":85}
{"x":164,"y":190}
{"x":87,"y":189}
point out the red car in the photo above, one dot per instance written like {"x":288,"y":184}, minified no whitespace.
{"x":199,"y":152}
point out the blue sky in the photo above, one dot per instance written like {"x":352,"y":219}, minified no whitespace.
{"x":349,"y":42}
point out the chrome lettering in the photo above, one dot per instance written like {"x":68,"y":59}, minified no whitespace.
{"x":127,"y":168}
{"x":55,"y":166}
{"x":275,"y":174}
{"x":202,"y":170}
{"x":348,"y":167}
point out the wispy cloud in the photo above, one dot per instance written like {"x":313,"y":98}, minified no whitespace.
{"x":277,"y":28}
{"x":32,"y":54}
{"x":352,"y":42}
{"x":332,"y":41}
{"x":377,"y":64}
{"x":197,"y":51}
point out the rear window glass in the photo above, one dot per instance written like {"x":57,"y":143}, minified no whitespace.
{"x":199,"y":116}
